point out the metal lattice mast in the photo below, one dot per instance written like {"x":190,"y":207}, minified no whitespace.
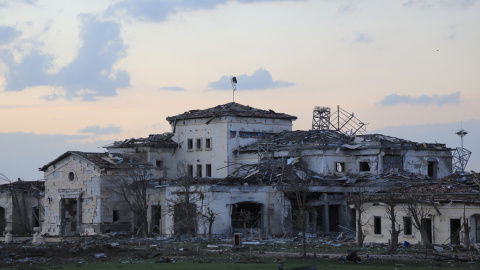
{"x":461,"y":155}
{"x":321,"y":118}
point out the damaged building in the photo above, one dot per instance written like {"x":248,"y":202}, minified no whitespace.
{"x":448,"y":211}
{"x":245,"y":158}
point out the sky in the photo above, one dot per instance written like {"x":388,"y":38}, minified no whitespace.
{"x":77,"y":75}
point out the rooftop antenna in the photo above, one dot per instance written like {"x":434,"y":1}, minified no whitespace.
{"x":233,"y":80}
{"x":461,"y":155}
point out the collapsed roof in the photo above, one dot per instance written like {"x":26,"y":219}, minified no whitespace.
{"x":330,"y":139}
{"x":231,"y":109}
{"x":102,"y":160}
{"x":153,"y":140}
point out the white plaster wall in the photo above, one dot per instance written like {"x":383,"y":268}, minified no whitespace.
{"x":220,"y":156}
{"x":440,"y":223}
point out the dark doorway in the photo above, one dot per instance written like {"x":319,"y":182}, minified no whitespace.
{"x":320,"y":219}
{"x":334,"y":218}
{"x":246,"y":213}
{"x":455,"y":226}
{"x":156,"y":219}
{"x":427,"y":225}
{"x":184,"y":217}
{"x":68,"y":217}
{"x":36,"y":216}
{"x":3,"y":222}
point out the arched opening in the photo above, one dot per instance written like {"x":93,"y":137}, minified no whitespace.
{"x":246,"y":214}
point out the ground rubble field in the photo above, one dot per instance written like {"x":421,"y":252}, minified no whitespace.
{"x":116,"y":251}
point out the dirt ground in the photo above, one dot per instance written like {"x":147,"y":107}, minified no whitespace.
{"x":80,"y":251}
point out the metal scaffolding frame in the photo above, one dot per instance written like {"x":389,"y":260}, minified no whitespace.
{"x":341,"y":121}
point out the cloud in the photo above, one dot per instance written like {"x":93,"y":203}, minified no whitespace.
{"x":97,"y":130}
{"x":362,"y":38}
{"x":172,"y":88}
{"x":89,"y":76}
{"x":260,"y":79}
{"x":425,"y":100}
{"x":444,"y":3}
{"x":158,"y":11}
{"x":8,"y":34}
{"x":37,"y":150}
{"x":348,"y":7}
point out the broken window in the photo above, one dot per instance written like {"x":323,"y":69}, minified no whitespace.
{"x":158,"y":163}
{"x":199,"y":170}
{"x":116,"y":216}
{"x":377,"y":225}
{"x":208,"y":170}
{"x":190,"y":144}
{"x":190,"y":170}
{"x":246,"y":214}
{"x":340,"y":166}
{"x":208,"y":143}
{"x":432,"y":170}
{"x":36,"y":216}
{"x":233,"y":134}
{"x":407,"y":226}
{"x":364,"y":166}
{"x":392,"y":162}
{"x":198,"y":144}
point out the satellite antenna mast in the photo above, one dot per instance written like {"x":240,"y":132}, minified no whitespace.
{"x":233,"y":80}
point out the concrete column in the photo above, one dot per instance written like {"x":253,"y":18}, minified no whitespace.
{"x":79,"y":212}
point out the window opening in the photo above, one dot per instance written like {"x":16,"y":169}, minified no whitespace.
{"x":407,"y":226}
{"x":198,"y":144}
{"x":339,"y":166}
{"x":377,"y":225}
{"x":190,"y":170}
{"x":432,"y":170}
{"x":71,"y":176}
{"x":189,"y":144}
{"x":158,"y":163}
{"x":199,"y":170}
{"x":208,"y":170}
{"x":116,"y":215}
{"x":208,"y":143}
{"x":364,"y":166}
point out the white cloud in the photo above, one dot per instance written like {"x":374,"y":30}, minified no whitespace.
{"x":439,"y":100}
{"x":259,"y":80}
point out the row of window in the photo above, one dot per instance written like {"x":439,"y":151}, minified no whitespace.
{"x":407,"y":225}
{"x":199,"y":170}
{"x":199,"y":144}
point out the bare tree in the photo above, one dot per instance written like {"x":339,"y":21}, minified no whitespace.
{"x":132,"y":188}
{"x":419,"y":210}
{"x":359,"y":200}
{"x":391,"y":203}
{"x":297,"y":190}
{"x":209,"y":217}
{"x":186,"y":196}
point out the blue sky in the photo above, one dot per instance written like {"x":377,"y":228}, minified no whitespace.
{"x":76,"y":75}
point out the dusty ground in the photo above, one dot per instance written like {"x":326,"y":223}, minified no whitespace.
{"x":81,"y":251}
